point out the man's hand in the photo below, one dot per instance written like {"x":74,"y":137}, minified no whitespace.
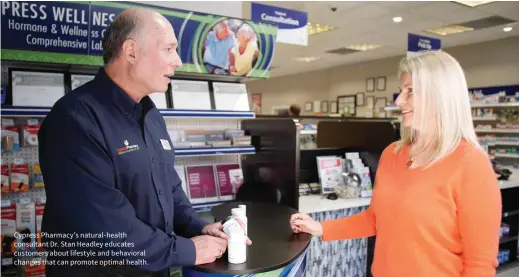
{"x":215,"y":230}
{"x":208,"y":248}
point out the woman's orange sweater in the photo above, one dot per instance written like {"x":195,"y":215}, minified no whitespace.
{"x":440,"y":222}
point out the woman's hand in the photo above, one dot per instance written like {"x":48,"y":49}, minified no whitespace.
{"x":304,"y":223}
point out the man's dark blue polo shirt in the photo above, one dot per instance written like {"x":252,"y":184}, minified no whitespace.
{"x":108,"y":166}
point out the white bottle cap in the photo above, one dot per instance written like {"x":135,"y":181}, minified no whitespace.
{"x":244,"y":208}
{"x":238,"y":212}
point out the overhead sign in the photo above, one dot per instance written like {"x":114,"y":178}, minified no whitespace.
{"x":417,"y":43}
{"x":72,"y":32}
{"x":292,"y":25}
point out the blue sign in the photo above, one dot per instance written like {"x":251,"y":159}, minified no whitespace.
{"x":72,"y":33}
{"x":508,"y":90}
{"x":417,"y":43}
{"x":292,"y":25}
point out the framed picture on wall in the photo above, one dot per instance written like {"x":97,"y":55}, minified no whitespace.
{"x":347,"y":104}
{"x":333,"y":106}
{"x":360,"y":99}
{"x":370,"y":84}
{"x":381,"y":83}
{"x":324,"y":106}
{"x":370,"y":101}
{"x":308,"y":107}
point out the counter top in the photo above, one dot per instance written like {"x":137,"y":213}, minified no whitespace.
{"x":318,"y":203}
{"x":274,"y":245}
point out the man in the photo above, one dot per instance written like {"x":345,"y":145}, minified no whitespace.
{"x":107,"y":161}
{"x":294,"y":110}
{"x":218,"y":44}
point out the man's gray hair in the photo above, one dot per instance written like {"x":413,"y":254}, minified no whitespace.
{"x":125,"y":26}
{"x":221,"y":25}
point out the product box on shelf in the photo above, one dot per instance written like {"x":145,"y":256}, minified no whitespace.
{"x":10,"y":135}
{"x":5,"y":177}
{"x":40,"y":207}
{"x":229,"y":180}
{"x":30,"y":133}
{"x":201,"y":183}
{"x":8,"y":228}
{"x":19,"y":176}
{"x":26,"y":224}
{"x":37,"y":179}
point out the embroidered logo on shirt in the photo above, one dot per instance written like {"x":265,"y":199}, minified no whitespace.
{"x":127,"y":148}
{"x":165,"y":144}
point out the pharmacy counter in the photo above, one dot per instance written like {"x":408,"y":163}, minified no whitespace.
{"x":275,"y":249}
{"x":335,"y":258}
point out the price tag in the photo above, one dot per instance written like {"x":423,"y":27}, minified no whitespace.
{"x":32,"y":122}
{"x":7,"y":121}
{"x":6,"y":203}
{"x":25,"y":201}
{"x":18,"y":161}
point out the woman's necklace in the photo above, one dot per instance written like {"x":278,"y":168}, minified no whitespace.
{"x":411,"y":159}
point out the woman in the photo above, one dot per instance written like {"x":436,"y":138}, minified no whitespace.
{"x":436,"y":206}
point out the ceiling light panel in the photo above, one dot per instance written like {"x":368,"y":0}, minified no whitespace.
{"x":364,"y":46}
{"x":314,"y":29}
{"x":473,"y":3}
{"x":449,"y":30}
{"x":306,"y":59}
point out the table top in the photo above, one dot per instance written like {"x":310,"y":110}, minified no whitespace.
{"x":274,"y":245}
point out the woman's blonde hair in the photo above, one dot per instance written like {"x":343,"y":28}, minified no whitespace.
{"x":442,"y":97}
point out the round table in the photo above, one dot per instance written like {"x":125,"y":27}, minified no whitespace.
{"x":275,"y":249}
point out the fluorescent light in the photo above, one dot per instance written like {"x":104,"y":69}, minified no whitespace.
{"x":397,"y":19}
{"x":473,"y":4}
{"x":314,"y":29}
{"x":306,"y":59}
{"x":449,"y":30}
{"x":507,"y":29}
{"x":364,"y":46}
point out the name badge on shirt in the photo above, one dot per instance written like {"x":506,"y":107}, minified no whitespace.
{"x":165,"y":144}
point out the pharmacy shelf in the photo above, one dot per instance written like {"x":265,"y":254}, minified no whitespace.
{"x":205,"y":207}
{"x":476,"y":118}
{"x":214,"y":151}
{"x":495,"y":105}
{"x":503,"y":143}
{"x":475,"y":106}
{"x":507,"y":155}
{"x":498,"y":131}
{"x":19,"y":111}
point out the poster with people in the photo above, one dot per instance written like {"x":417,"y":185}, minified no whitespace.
{"x":231,"y":47}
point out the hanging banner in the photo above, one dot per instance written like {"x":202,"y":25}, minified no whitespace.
{"x":292,"y":25}
{"x":72,"y":33}
{"x":417,"y":43}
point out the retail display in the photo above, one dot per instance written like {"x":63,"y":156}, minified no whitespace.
{"x":202,"y":138}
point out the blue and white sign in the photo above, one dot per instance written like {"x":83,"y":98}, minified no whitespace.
{"x":292,"y":25}
{"x":416,"y":44}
